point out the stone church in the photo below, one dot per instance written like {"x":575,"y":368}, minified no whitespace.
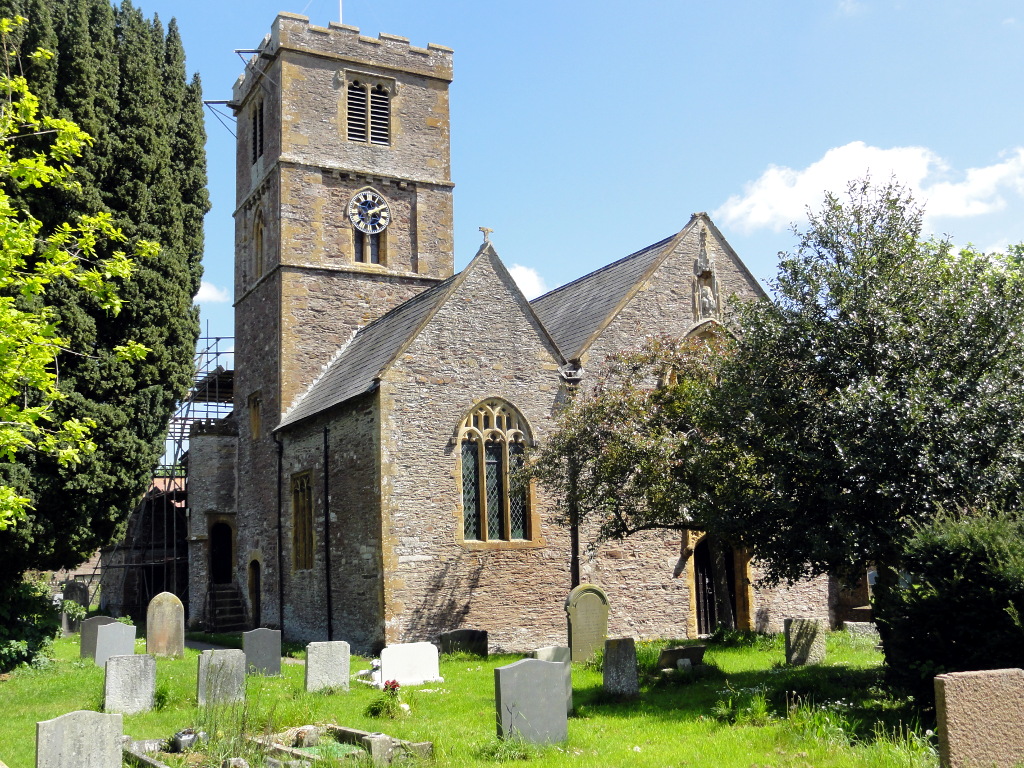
{"x":364,"y":487}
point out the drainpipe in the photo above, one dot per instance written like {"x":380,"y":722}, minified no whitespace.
{"x":574,"y":527}
{"x":327,"y":534}
{"x":280,"y":534}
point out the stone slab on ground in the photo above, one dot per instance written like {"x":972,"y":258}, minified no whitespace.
{"x":669,"y":657}
{"x":472,"y":641}
{"x":114,"y":639}
{"x":561,"y":655}
{"x":409,"y":664}
{"x":586,"y":609}
{"x":80,"y":739}
{"x":861,"y":628}
{"x":129,"y":684}
{"x":221,"y":678}
{"x":805,"y":640}
{"x":87,"y":638}
{"x":981,"y":718}
{"x":328,"y":665}
{"x":165,"y":626}
{"x":262,"y":649}
{"x":620,"y":668}
{"x":529,"y":700}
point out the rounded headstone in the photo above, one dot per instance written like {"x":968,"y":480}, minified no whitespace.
{"x":165,"y":626}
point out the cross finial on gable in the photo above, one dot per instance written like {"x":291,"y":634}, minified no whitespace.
{"x":487,"y":233}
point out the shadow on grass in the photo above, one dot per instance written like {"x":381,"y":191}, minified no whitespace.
{"x":859,"y":693}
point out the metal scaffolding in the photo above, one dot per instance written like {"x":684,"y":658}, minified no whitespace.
{"x":153,"y":557}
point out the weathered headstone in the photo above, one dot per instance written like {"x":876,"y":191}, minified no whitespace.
{"x":465,"y":641}
{"x":114,"y":639}
{"x":981,"y":718}
{"x":262,"y":649}
{"x":409,"y":664}
{"x":561,"y":655}
{"x":529,"y":697}
{"x":587,"y":611}
{"x":130,"y":684}
{"x":805,"y":641}
{"x":88,"y":635}
{"x":221,"y":678}
{"x":669,"y":657}
{"x":620,"y":673}
{"x":165,"y":626}
{"x":74,"y":592}
{"x":327,"y":665}
{"x":81,"y":739}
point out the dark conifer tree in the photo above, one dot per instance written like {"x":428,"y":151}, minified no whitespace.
{"x":124,"y":82}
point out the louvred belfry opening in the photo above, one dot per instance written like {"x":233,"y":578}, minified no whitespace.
{"x":380,"y":116}
{"x":357,"y":117}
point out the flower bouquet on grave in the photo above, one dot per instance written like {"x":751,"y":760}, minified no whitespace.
{"x":389,"y":703}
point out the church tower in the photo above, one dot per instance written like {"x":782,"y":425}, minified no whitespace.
{"x":344,"y":197}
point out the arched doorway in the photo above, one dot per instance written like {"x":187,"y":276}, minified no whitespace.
{"x":221,"y":553}
{"x":255,"y":593}
{"x":704,"y":587}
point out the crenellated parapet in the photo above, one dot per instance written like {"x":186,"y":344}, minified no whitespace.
{"x":292,"y":31}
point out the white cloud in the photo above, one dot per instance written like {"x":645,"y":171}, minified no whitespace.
{"x":782,"y":195}
{"x":529,"y":281}
{"x":211,"y":294}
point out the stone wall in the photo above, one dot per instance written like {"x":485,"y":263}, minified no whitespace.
{"x":211,"y":491}
{"x":353,"y":517}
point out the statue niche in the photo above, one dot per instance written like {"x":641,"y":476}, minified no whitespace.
{"x":706,"y":303}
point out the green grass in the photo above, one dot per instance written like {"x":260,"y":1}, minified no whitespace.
{"x":745,"y":708}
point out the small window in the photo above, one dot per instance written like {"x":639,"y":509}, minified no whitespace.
{"x":258,"y":244}
{"x":368,"y":247}
{"x":257,"y":132}
{"x":302,"y":522}
{"x":369,"y":113}
{"x":495,"y":497}
{"x":255,"y":422}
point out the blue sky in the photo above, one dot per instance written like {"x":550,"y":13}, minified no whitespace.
{"x":582,"y":132}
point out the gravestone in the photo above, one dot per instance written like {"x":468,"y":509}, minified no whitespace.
{"x":529,"y":699}
{"x":129,"y":684}
{"x":805,"y":641}
{"x":620,"y":673}
{"x":327,"y":665}
{"x":669,"y":657}
{"x":81,"y":739}
{"x":88,"y":635}
{"x":262,"y":649}
{"x":409,"y":664}
{"x":587,"y":611}
{"x":559,"y":654}
{"x":221,"y":678}
{"x":165,"y":626}
{"x":981,"y":718}
{"x":74,"y":592}
{"x":114,"y":639}
{"x":465,"y":641}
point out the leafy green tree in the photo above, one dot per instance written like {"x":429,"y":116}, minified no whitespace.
{"x":32,"y":261}
{"x":881,"y":385}
{"x":123,"y":79}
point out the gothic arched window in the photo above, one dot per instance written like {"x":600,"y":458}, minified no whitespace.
{"x":495,"y":497}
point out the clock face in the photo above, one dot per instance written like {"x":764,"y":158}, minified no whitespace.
{"x":369,"y":212}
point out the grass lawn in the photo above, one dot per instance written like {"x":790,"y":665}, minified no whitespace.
{"x":743,"y":709}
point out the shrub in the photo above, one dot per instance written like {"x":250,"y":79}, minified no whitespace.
{"x":960,"y":602}
{"x":28,"y":623}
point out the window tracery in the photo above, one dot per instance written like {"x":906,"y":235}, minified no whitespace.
{"x":492,"y":442}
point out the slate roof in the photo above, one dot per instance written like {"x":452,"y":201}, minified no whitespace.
{"x":576,"y":310}
{"x":356,"y":367}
